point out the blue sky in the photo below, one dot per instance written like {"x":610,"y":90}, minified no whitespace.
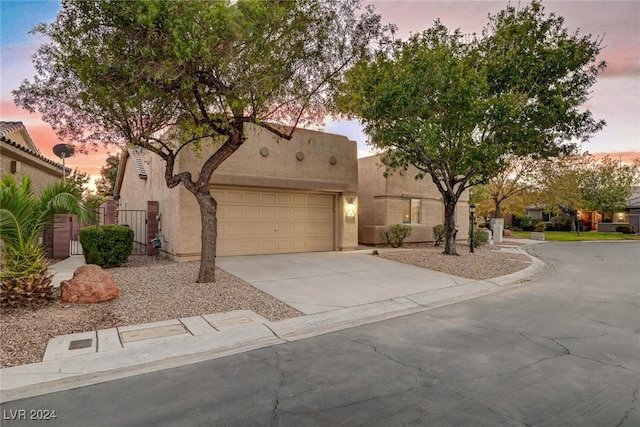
{"x":615,"y":98}
{"x":18,"y":16}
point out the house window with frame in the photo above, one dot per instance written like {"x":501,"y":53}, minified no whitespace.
{"x":411,"y":211}
{"x":621,"y":217}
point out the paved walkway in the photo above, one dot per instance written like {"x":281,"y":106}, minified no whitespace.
{"x":335,"y":291}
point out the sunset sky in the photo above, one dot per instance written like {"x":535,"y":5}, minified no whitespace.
{"x":615,"y":98}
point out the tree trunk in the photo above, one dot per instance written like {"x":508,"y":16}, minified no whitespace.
{"x":450,"y":228}
{"x":498,"y":211}
{"x":208,"y":211}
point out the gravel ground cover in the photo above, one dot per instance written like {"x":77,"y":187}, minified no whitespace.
{"x":152,"y":290}
{"x":485,"y":263}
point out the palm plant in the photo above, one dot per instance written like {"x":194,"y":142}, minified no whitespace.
{"x":24,"y":277}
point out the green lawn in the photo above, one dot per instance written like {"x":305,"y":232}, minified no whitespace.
{"x":567,"y":236}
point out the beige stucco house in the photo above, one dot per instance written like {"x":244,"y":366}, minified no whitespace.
{"x":400,"y":199}
{"x":274,"y":196}
{"x":20,"y":156}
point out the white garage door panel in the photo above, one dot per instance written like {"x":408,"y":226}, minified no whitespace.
{"x":259,"y":222}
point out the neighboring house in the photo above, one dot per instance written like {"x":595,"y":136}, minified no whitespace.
{"x":274,"y":196}
{"x":629,"y":216}
{"x":538,"y":212}
{"x":400,"y":199}
{"x":588,"y":219}
{"x":20,"y":156}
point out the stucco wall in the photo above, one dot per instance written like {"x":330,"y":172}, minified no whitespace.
{"x":381,"y":199}
{"x":329,"y":164}
{"x":136,"y":192}
{"x":266,"y":161}
{"x":41,"y":172}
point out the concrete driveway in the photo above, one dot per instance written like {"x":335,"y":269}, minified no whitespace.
{"x":323,"y":281}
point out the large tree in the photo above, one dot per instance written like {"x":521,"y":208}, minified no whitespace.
{"x":457,"y":106}
{"x":127,"y":71}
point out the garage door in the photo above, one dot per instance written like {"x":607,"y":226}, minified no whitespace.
{"x":265,"y":222}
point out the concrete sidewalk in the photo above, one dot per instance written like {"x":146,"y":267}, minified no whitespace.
{"x":335,"y":291}
{"x":63,"y":270}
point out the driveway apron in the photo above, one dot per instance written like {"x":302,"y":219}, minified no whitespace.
{"x":323,"y":281}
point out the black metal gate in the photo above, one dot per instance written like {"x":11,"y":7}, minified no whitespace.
{"x":137,"y":220}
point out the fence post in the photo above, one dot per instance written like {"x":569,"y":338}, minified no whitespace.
{"x":61,"y":236}
{"x":152,"y":225}
{"x":109,"y":217}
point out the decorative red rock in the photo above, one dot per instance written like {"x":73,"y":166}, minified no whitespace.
{"x":90,"y":284}
{"x":506,"y":233}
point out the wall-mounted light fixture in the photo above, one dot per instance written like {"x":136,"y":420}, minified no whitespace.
{"x":351,"y":208}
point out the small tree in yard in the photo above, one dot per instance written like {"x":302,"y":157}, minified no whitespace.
{"x":558,"y":184}
{"x":458,"y":107}
{"x":607,"y":184}
{"x":127,"y":72}
{"x":514,"y":180}
{"x":24,"y":277}
{"x":569,"y":183}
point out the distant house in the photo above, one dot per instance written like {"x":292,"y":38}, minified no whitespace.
{"x":400,"y":199}
{"x":630,"y":215}
{"x":20,"y":156}
{"x":605,"y":221}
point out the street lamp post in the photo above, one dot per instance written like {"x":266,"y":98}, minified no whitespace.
{"x":472,"y":217}
{"x":578,"y":221}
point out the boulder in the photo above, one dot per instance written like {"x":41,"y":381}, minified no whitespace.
{"x":90,"y":284}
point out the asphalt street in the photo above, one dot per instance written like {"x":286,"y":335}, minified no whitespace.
{"x":560,"y":350}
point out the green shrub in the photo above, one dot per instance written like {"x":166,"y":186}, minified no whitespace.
{"x":396,"y":234}
{"x":525,"y":222}
{"x":540,"y":227}
{"x":625,"y":229}
{"x":439,"y":233}
{"x":106,"y":245}
{"x":480,"y":237}
{"x":560,"y":223}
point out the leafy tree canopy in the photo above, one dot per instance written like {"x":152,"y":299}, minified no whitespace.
{"x":105,"y":185}
{"x":607,"y":184}
{"x":126,"y":72}
{"x":570,"y":183}
{"x":457,"y":106}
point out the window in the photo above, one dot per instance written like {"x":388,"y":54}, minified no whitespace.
{"x":411,"y":211}
{"x":615,"y":217}
{"x":622,"y":217}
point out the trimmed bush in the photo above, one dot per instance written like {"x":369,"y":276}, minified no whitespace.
{"x":560,"y":223}
{"x":540,"y":227}
{"x":625,"y":229}
{"x":439,"y":234}
{"x":396,"y":234}
{"x":525,"y":222}
{"x":480,"y":237}
{"x":106,"y":245}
